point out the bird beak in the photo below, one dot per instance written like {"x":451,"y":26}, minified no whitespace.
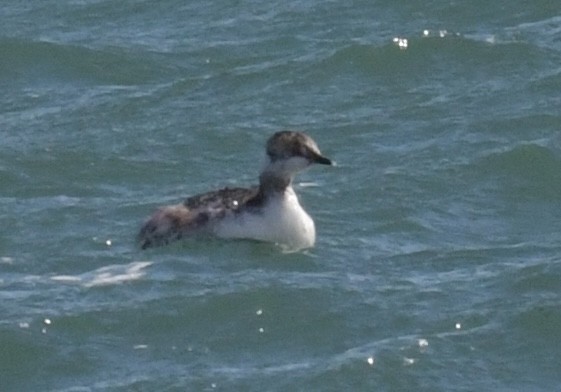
{"x":322,"y":160}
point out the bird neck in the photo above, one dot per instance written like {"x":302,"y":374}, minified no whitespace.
{"x":271,"y":182}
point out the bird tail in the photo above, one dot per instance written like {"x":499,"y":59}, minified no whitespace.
{"x":166,"y":225}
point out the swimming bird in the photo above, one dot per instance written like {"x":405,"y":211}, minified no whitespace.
{"x":268,"y":212}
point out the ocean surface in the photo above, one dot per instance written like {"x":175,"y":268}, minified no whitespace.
{"x":437,"y":265}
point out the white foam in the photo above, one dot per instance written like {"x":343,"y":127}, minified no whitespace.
{"x":116,"y":274}
{"x":66,"y":278}
{"x":109,"y":275}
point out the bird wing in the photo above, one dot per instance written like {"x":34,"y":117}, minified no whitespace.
{"x":171,"y":223}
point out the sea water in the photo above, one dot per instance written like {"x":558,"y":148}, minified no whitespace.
{"x":437,"y":265}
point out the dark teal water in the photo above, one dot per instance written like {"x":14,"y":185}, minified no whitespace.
{"x":437,"y":265}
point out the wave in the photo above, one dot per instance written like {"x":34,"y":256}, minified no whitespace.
{"x":430,"y":52}
{"x":530,"y":169}
{"x":544,"y":32}
{"x":108,"y":275}
{"x":41,"y":60}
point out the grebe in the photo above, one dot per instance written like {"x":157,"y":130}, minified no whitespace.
{"x":268,"y":212}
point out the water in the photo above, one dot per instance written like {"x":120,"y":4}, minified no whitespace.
{"x":437,"y":265}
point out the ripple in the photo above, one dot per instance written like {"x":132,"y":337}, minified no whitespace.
{"x":109,"y":275}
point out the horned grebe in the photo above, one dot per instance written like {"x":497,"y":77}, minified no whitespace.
{"x":268,"y":212}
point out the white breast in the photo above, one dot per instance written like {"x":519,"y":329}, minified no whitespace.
{"x":282,"y":220}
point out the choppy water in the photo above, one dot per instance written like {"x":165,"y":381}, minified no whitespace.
{"x":437,"y":266}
